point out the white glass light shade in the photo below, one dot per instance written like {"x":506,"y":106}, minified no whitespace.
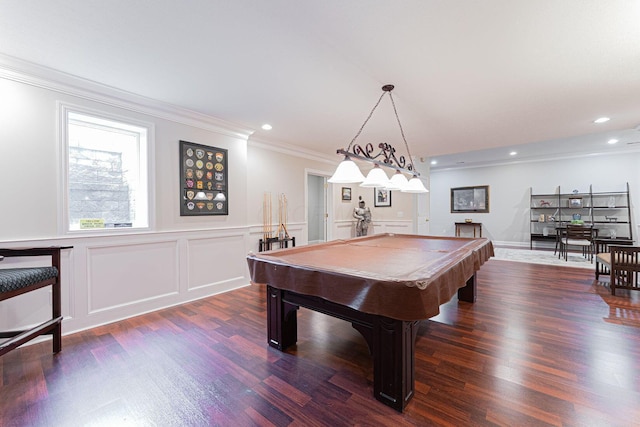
{"x":392,"y":186}
{"x":398,"y":182}
{"x":376,"y":178}
{"x":415,"y":185}
{"x":347,"y":172}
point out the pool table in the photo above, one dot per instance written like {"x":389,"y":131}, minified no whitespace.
{"x":383,"y":284}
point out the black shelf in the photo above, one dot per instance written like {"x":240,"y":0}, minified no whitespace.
{"x":593,"y":208}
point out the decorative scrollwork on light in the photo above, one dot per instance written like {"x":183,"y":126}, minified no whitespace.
{"x":387,"y":153}
{"x":348,"y":172}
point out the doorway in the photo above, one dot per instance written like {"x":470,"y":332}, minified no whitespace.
{"x":422,"y":201}
{"x":317,"y":208}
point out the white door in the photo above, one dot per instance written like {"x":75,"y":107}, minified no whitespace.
{"x":422,"y":201}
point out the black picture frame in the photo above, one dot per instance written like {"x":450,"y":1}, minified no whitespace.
{"x":346,"y":193}
{"x":381,"y":197}
{"x":470,"y":199}
{"x":204,"y":180}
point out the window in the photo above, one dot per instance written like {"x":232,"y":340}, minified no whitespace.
{"x":107,"y":165}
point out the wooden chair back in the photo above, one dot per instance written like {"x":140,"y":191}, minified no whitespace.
{"x":625,"y":266}
{"x":603,"y":254}
{"x":579,"y":232}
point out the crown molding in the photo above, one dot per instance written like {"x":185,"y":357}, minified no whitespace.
{"x":292,"y":150}
{"x":537,"y":159}
{"x":32,"y":74}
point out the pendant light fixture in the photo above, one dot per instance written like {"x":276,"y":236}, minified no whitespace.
{"x":348,"y":172}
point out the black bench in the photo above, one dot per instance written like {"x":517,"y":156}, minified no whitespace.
{"x":18,"y":281}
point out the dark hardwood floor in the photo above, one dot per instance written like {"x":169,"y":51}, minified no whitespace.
{"x":542,"y":345}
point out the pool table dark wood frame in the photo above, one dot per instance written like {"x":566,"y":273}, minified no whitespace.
{"x":391,"y":342}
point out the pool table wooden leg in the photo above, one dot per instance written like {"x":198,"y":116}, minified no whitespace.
{"x":391,"y":341}
{"x":282,"y":322}
{"x":468,"y":292}
{"x":393,"y":349}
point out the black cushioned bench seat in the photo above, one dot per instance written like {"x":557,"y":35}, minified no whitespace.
{"x":18,"y":281}
{"x":12,"y":279}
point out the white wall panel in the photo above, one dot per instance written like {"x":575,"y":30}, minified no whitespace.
{"x":346,"y":229}
{"x":125,"y":275}
{"x":398,"y":227}
{"x":216,"y":260}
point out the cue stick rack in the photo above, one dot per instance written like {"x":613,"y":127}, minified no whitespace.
{"x":281,"y":236}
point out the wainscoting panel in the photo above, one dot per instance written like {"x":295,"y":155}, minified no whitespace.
{"x":215,"y":260}
{"x":109,"y":278}
{"x":399,"y":227}
{"x":346,"y":229}
{"x":128,"y":274}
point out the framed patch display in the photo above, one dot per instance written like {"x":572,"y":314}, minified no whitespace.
{"x":204,"y":185}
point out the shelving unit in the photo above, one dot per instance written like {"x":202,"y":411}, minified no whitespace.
{"x":545,"y":211}
{"x":608,"y":212}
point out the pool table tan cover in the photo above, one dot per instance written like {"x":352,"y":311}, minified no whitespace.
{"x":400,"y":276}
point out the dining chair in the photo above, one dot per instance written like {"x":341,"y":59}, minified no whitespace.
{"x":580,"y":236}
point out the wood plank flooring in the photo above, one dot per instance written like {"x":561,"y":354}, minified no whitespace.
{"x":543,"y":345}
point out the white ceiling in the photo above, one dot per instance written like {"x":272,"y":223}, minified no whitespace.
{"x":469,"y":75}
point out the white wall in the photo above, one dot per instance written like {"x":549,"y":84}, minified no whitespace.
{"x":107,"y":277}
{"x":274,"y":170}
{"x":508,"y":220}
{"x":280,"y":171}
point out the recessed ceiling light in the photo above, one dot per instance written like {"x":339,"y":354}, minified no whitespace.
{"x":267,"y":126}
{"x":434,"y":162}
{"x":513,"y":153}
{"x":612,"y":141}
{"x":601,"y":120}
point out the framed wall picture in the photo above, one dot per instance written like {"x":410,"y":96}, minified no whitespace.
{"x":381,"y":197}
{"x":575,"y":202}
{"x":346,"y":193}
{"x":470,"y":199}
{"x":204,"y":182}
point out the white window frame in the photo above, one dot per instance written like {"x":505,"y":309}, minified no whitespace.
{"x":145,"y":204}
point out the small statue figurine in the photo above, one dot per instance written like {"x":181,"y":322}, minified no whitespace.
{"x":363,"y":215}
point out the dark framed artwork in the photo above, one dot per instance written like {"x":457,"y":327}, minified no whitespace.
{"x":204,"y":182}
{"x":381,"y":197}
{"x":346,"y":193}
{"x":470,"y":199}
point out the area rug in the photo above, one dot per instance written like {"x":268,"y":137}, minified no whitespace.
{"x":542,"y":257}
